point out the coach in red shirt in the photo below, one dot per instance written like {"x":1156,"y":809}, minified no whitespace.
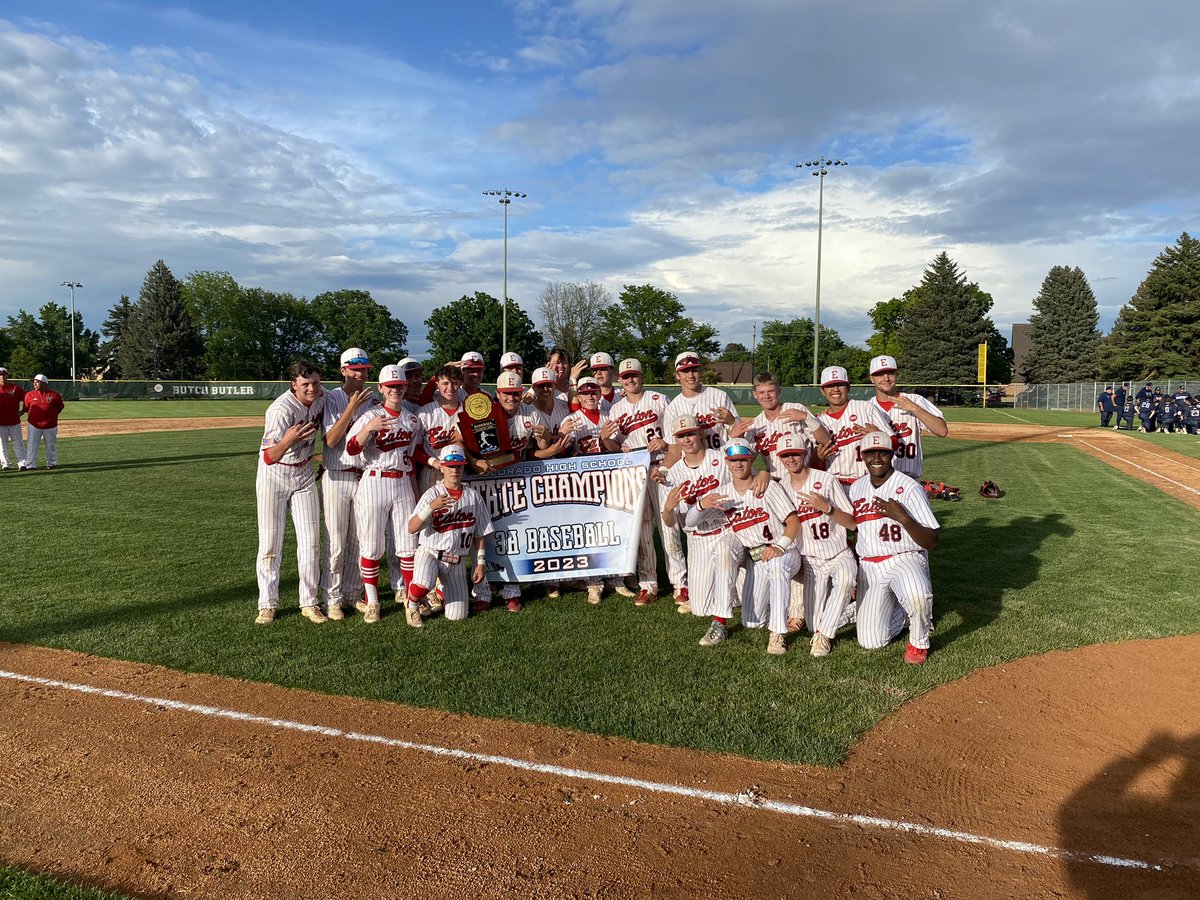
{"x":42,"y":406}
{"x":12,"y":396}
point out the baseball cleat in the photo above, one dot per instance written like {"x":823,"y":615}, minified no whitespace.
{"x":436,"y":605}
{"x":425,"y":608}
{"x":313,"y":614}
{"x":684,"y":609}
{"x":821,"y":645}
{"x":514,"y":605}
{"x":594,"y":594}
{"x":644,"y":598}
{"x":621,"y":589}
{"x":265,"y":617}
{"x":412,"y":615}
{"x":776,"y":645}
{"x":371,"y":616}
{"x":554,"y":591}
{"x":716,"y":633}
{"x":916,"y":656}
{"x":334,"y":611}
{"x":481,"y":606}
{"x":681,"y":596}
{"x":361,"y":606}
{"x":401,"y":596}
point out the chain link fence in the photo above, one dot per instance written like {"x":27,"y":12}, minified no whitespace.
{"x":1082,"y":395}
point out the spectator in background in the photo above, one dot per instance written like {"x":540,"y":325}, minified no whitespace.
{"x":42,"y":406}
{"x":12,"y":398}
{"x":1104,"y":403}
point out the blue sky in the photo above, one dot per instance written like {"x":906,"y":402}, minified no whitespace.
{"x":313,"y":146}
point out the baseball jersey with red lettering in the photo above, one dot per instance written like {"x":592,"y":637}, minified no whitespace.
{"x":282,"y":414}
{"x":846,"y":463}
{"x":458,"y":527}
{"x":709,"y":476}
{"x":336,"y":401}
{"x":641,"y":422}
{"x":391,"y":448}
{"x":760,"y":520}
{"x":12,"y":395}
{"x":702,"y":406}
{"x":439,"y":425}
{"x":879,"y":536}
{"x":765,"y":433}
{"x":43,"y":408}
{"x":559,"y":411}
{"x":820,"y":536}
{"x":520,"y":429}
{"x":586,"y":436}
{"x":907,"y":429}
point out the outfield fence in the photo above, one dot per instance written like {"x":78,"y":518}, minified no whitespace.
{"x":1082,"y":395}
{"x":810,"y":395}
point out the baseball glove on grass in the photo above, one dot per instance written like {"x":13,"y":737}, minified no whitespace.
{"x":990,"y":490}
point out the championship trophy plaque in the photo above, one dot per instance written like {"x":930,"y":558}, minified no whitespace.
{"x":484,"y":429}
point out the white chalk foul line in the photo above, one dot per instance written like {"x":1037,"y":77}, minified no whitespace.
{"x":744,"y":798}
{"x":1142,"y":468}
{"x":1018,"y":418}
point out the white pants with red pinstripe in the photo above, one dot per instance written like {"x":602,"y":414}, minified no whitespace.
{"x":891,"y":593}
{"x":278,"y":490}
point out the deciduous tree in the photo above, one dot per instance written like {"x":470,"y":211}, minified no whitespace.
{"x":651,"y":324}
{"x":476,"y":323}
{"x":572,"y":312}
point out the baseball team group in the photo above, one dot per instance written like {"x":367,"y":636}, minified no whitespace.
{"x":393,"y":485}
{"x":1155,"y":409}
{"x":40,"y":407}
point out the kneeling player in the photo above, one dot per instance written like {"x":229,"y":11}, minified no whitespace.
{"x":895,"y":526}
{"x":825,"y":513}
{"x":451,"y":521}
{"x":766,"y":528}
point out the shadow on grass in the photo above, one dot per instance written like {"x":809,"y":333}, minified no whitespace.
{"x":50,"y":627}
{"x":1118,"y":812}
{"x":977,"y":562}
{"x":154,"y":462}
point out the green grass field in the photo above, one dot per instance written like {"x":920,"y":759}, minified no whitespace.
{"x":142,"y":547}
{"x":18,"y":885}
{"x":161,"y":409}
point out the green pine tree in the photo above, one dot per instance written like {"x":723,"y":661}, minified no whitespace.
{"x":1157,"y":333}
{"x":1063,"y":334}
{"x":161,"y":338}
{"x":943,"y":327}
{"x":113,"y":330}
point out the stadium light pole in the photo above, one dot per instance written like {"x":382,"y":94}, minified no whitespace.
{"x":72,"y":285}
{"x":506,"y":197}
{"x":820,"y":167}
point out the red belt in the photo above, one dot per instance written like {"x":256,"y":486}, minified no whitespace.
{"x":707,"y":533}
{"x":876,"y":559}
{"x":294,"y":465}
{"x":387,"y":473}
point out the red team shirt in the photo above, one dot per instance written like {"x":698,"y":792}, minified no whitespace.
{"x":12,"y":395}
{"x":43,"y":408}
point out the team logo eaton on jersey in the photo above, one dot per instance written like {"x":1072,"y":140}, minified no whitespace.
{"x":692,"y":491}
{"x":439,"y":436}
{"x":393,"y":438}
{"x":747,"y":517}
{"x":631,"y":422}
{"x":445,"y":520}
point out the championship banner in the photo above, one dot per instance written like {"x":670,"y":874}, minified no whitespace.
{"x":562,"y":519}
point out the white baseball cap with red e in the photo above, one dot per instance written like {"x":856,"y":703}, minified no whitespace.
{"x":600,"y":361}
{"x":511,"y":359}
{"x":630,"y":365}
{"x":881,"y":364}
{"x":471,"y":360}
{"x":391,"y":376}
{"x":834,"y":375}
{"x":688,"y":359}
{"x":509,"y":383}
{"x":543,"y":376}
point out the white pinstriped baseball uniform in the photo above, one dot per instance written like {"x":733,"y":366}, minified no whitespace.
{"x":585,"y":439}
{"x":907,"y":428}
{"x":757,"y":522}
{"x":341,"y":577}
{"x":440,"y":427}
{"x":764,"y":434}
{"x":554,"y":418}
{"x":830,"y":569}
{"x":520,"y":429}
{"x":386,"y":490}
{"x":447,"y":538}
{"x":641,"y":423}
{"x":846,"y":464}
{"x":712,"y":550}
{"x":893,"y":572}
{"x":702,"y":406}
{"x":288,"y":484}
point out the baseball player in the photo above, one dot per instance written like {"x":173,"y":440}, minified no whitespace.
{"x":846,"y":420}
{"x":415,"y":372}
{"x":12,"y":401}
{"x":564,"y":375}
{"x":512,"y":362}
{"x":830,"y":569}
{"x":451,"y":522}
{"x":909,"y":415}
{"x":601,"y":365}
{"x":439,"y":420}
{"x":42,"y":406}
{"x":694,"y":499}
{"x":1104,"y":405}
{"x":766,"y":429}
{"x":1192,"y":417}
{"x":286,"y":482}
{"x":1165,"y":413}
{"x":766,"y":529}
{"x":341,"y":579}
{"x":641,"y":416}
{"x":895,"y":528}
{"x":585,"y":432}
{"x":387,"y":440}
{"x":1146,"y":407}
{"x":712,"y":407}
{"x":546,"y":400}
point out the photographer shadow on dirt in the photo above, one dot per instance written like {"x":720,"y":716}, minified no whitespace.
{"x":1140,"y":808}
{"x":977,"y":562}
